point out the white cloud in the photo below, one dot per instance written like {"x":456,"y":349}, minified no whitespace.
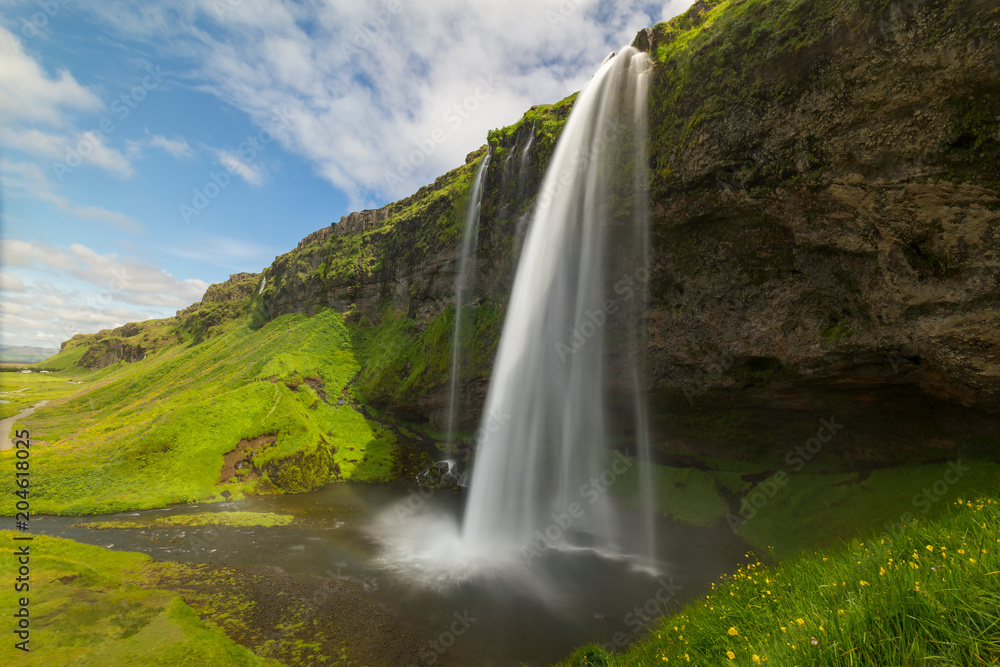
{"x":35,"y":115}
{"x":252,"y":174}
{"x":70,"y":151}
{"x":176,"y":147}
{"x":9,"y":283}
{"x":28,"y":93}
{"x":179,"y":148}
{"x":366,"y":83}
{"x":69,"y":290}
{"x":28,"y":179}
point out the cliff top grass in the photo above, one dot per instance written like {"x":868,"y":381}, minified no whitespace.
{"x":153,"y":432}
{"x":924,"y":592}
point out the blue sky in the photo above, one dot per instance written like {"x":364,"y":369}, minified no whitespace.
{"x":148,"y":150}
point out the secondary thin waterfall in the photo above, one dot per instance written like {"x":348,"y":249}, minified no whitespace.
{"x":545,"y":463}
{"x":466,"y":268}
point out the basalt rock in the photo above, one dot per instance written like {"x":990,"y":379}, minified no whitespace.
{"x":825,"y":203}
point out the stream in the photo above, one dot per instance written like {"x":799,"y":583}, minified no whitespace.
{"x":536,"y":616}
{"x":6,"y":425}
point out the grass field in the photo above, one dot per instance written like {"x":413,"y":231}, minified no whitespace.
{"x":88,"y":606}
{"x":923,"y":593}
{"x":153,"y":432}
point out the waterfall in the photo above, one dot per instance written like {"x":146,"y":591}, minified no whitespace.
{"x":522,"y":188}
{"x":522,"y":174}
{"x":463,"y":285}
{"x":544,"y":463}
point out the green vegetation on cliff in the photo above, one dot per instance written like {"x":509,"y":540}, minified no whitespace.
{"x":153,"y":432}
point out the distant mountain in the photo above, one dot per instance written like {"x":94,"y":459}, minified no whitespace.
{"x":25,"y":354}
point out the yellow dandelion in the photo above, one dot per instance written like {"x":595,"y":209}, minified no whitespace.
{"x":733,"y":631}
{"x":800,"y":621}
{"x":756,"y":659}
{"x":731,"y":655}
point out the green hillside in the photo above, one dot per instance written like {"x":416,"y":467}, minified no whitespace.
{"x":153,"y":432}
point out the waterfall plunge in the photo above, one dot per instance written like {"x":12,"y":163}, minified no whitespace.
{"x":544,"y":464}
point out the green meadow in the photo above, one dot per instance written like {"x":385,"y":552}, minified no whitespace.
{"x":924,"y":592}
{"x":153,"y":432}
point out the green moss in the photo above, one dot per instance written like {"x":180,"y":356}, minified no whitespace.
{"x":242,"y":519}
{"x":812,"y":510}
{"x":88,"y":609}
{"x":836,"y":330}
{"x":690,"y":495}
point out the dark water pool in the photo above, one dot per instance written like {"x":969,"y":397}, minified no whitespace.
{"x":533,"y":616}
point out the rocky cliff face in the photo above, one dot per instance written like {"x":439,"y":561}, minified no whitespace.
{"x":827,"y":198}
{"x":824,"y":206}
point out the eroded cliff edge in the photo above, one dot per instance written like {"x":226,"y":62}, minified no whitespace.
{"x":824,"y":205}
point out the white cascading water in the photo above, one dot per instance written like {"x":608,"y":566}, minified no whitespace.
{"x":545,"y":463}
{"x":463,"y":285}
{"x":544,"y":459}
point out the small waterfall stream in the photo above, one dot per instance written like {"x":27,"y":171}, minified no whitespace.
{"x":463,"y":287}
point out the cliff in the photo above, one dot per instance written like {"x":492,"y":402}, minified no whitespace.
{"x":824,"y":206}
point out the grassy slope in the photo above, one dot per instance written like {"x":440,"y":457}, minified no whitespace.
{"x":926,"y":593}
{"x":812,"y":508}
{"x":153,"y":432}
{"x":86,"y":609}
